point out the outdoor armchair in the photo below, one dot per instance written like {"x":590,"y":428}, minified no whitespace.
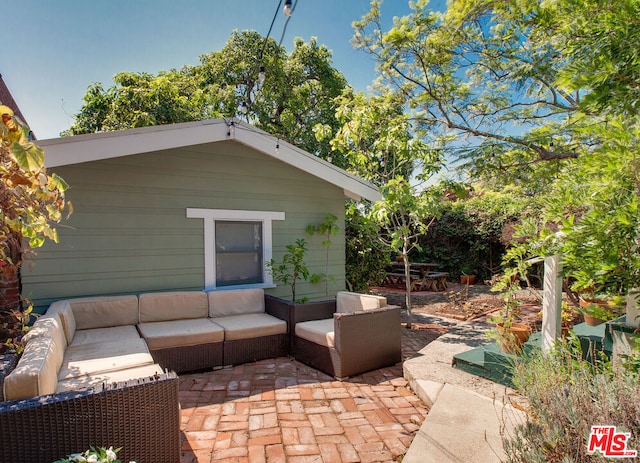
{"x":355,"y":334}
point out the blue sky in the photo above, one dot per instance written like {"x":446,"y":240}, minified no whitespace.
{"x":53,"y":50}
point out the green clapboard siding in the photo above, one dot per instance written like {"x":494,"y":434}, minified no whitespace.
{"x":129,"y":232}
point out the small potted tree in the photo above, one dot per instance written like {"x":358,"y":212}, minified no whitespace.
{"x":467,"y":277}
{"x":509,"y":333}
{"x":292,"y":268}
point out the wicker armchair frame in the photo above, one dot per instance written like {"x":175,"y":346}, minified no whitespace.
{"x":141,"y":416}
{"x":364,"y":341}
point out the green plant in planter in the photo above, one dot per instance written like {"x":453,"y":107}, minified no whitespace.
{"x":94,"y":455}
{"x":292,"y":268}
{"x":508,"y":333}
{"x":326,"y":229}
{"x":603,"y":308}
{"x":466,"y":269}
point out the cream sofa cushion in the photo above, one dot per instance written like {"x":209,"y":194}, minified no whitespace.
{"x":89,"y":359}
{"x":68,"y":322}
{"x":224,"y":303}
{"x":250,"y":326}
{"x":177,"y":305}
{"x":47,"y":325}
{"x":65,"y":313}
{"x":100,"y":335}
{"x":318,"y":331}
{"x":36,"y":372}
{"x":103,"y":312}
{"x":347,"y":302}
{"x":85,"y":382}
{"x":178,"y":333}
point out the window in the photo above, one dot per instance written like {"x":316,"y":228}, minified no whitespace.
{"x":237,"y":244}
{"x":238,"y":253}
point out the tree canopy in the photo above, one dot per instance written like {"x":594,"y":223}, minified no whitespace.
{"x":504,"y":85}
{"x":297,"y":94}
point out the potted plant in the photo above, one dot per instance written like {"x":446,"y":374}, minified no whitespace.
{"x":326,"y":229}
{"x":94,"y":454}
{"x":467,"y":277}
{"x":292,"y":268}
{"x":599,"y":309}
{"x":509,"y":333}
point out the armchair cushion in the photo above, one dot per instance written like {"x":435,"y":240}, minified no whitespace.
{"x":177,"y":305}
{"x":178,"y":333}
{"x":251,"y":326}
{"x":319,"y":331}
{"x":225,"y":303}
{"x":347,"y":302}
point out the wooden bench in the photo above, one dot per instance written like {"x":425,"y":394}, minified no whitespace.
{"x":398,"y":279}
{"x":434,"y":281}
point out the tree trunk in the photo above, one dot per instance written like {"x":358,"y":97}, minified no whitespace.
{"x":407,"y":282}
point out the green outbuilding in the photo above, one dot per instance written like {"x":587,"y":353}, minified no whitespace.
{"x":191,"y":206}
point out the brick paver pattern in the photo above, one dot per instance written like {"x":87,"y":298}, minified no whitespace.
{"x":280,"y":410}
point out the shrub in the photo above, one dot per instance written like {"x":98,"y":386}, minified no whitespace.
{"x":469,"y":233}
{"x":366,"y":259}
{"x":567,"y":395}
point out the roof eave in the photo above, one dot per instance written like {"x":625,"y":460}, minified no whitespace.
{"x":108,"y":145}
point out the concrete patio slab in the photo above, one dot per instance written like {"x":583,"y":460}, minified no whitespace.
{"x":468,"y":414}
{"x":463,"y":426}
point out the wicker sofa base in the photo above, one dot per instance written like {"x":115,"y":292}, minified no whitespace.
{"x":141,"y":416}
{"x":190,"y":358}
{"x":254,"y":349}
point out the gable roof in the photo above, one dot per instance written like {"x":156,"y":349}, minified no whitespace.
{"x":106,"y":145}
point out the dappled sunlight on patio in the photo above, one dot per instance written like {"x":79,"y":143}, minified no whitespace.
{"x":282,"y":410}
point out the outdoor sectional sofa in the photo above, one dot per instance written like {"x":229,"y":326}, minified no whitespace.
{"x":102,"y":371}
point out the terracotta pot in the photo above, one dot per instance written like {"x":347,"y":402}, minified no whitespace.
{"x":585,"y":302}
{"x":592,"y":321}
{"x":589,"y":319}
{"x":467,"y":279}
{"x":518,"y":334}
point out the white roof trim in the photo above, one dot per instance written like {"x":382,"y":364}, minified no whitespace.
{"x":94,"y":147}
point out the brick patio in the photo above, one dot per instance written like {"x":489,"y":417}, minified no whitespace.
{"x":283,"y":411}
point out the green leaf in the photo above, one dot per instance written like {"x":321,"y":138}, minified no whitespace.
{"x":29,"y":156}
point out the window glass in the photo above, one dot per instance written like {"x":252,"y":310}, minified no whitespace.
{"x":238,"y":255}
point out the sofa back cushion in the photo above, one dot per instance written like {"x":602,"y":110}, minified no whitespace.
{"x":48,"y":325}
{"x":177,"y":305}
{"x":37,"y":371}
{"x":65,"y":313}
{"x":347,"y":302}
{"x":103,"y":312}
{"x":236,"y":302}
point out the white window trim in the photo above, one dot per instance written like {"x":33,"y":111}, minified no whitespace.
{"x":210,"y":216}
